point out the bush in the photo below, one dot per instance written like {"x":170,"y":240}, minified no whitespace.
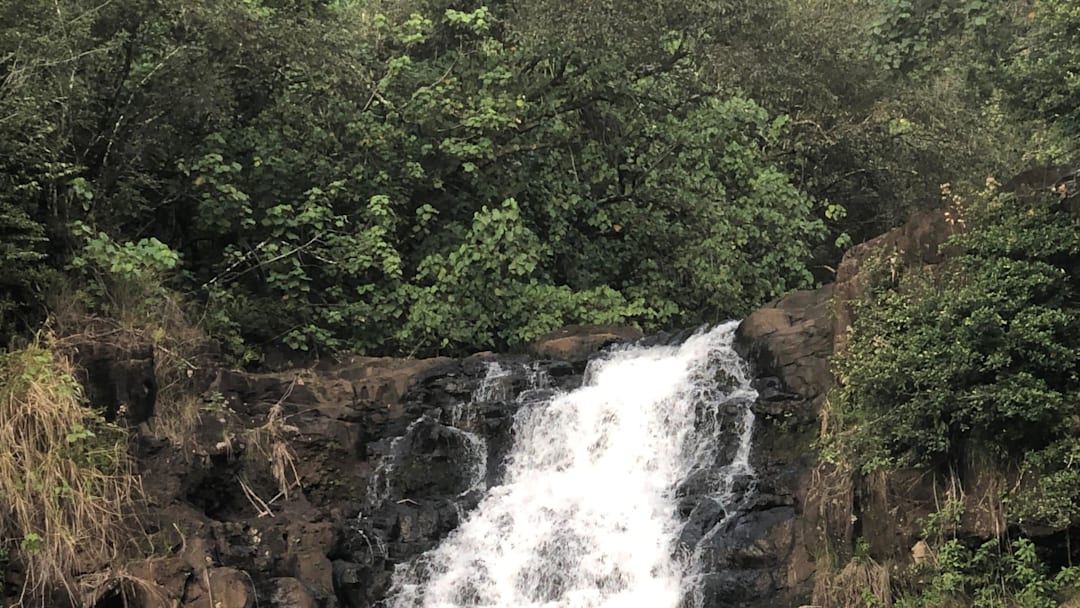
{"x":989,"y":575}
{"x":67,"y":487}
{"x":977,"y":354}
{"x":982,"y":349}
{"x":125,"y":280}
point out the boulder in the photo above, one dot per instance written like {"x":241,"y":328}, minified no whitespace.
{"x":918,"y":242}
{"x":291,"y":593}
{"x":576,"y":343}
{"x":789,"y":343}
{"x":220,"y":588}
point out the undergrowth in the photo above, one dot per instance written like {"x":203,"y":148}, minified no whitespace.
{"x":969,"y":367}
{"x":124,"y":302}
{"x":67,"y":483}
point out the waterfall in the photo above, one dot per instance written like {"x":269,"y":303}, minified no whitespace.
{"x":493,"y":387}
{"x":587,"y":513}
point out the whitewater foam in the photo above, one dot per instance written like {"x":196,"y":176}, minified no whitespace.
{"x":586,"y":515}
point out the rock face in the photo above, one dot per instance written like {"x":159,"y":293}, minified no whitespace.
{"x":306,"y":487}
{"x":765,"y":558}
{"x":575,"y":343}
{"x":118,"y":379}
{"x":436,"y":470}
{"x":918,"y":242}
{"x":789,"y":344}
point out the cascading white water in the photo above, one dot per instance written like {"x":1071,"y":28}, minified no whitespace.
{"x":493,"y":387}
{"x":586,"y":515}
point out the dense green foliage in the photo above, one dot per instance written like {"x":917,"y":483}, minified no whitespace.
{"x":1046,"y":60}
{"x":413,"y":175}
{"x":396,"y":177}
{"x":982,"y":350}
{"x":990,"y":576}
{"x":978,"y":354}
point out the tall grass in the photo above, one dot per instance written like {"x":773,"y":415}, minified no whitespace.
{"x":67,"y":483}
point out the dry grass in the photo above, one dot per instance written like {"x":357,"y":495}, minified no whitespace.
{"x":832,"y":487}
{"x":181,"y":351}
{"x":132,"y":589}
{"x":987,"y":485}
{"x":831,"y":499}
{"x":269,"y":444}
{"x":176,"y":419}
{"x":862,"y":582}
{"x":67,"y":483}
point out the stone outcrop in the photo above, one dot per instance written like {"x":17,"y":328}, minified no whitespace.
{"x":289,"y":533}
{"x":769,"y":549}
{"x":575,"y":343}
{"x":790,"y":343}
{"x":305,"y":487}
{"x":917,"y":243}
{"x":117,"y":378}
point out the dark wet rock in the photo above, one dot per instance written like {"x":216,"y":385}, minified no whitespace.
{"x":705,"y":514}
{"x":360,"y":586}
{"x":751,"y":540}
{"x":738,"y":588}
{"x":745,"y":561}
{"x":291,"y":593}
{"x":384,"y":462}
{"x":697,"y":483}
{"x":742,"y":484}
{"x":450,"y":386}
{"x":669,"y":338}
{"x":771,"y":389}
{"x":118,"y":379}
{"x":763,"y":499}
{"x":383,"y":454}
{"x":761,"y":558}
{"x":430,"y":459}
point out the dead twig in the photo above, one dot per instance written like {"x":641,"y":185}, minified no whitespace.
{"x":260,"y":505}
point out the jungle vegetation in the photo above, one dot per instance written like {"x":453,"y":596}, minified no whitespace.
{"x":418,"y":177}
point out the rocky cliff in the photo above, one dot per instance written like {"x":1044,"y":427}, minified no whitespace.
{"x":790,"y":343}
{"x":307,"y":487}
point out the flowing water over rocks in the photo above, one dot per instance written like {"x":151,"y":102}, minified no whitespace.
{"x":609,"y":494}
{"x":620,"y":472}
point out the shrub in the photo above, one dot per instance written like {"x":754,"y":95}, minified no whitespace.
{"x":991,"y":575}
{"x":978,"y":354}
{"x":66,"y":482}
{"x":983,"y":348}
{"x":125,"y":280}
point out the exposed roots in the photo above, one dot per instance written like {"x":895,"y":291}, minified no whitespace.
{"x":832,"y":498}
{"x":269,"y":444}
